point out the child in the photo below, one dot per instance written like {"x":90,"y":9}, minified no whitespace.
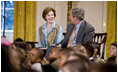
{"x":96,"y":54}
{"x":80,"y":49}
{"x":18,"y":40}
{"x":76,"y":66}
{"x":54,"y":53}
{"x":53,"y":57}
{"x":36,"y":57}
{"x":112,"y":52}
{"x":17,"y":60}
{"x":90,"y":51}
{"x":63,"y":56}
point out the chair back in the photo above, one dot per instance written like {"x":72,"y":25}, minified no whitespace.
{"x":100,"y":38}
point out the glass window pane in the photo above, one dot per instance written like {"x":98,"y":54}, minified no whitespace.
{"x":9,"y":4}
{"x":9,"y":19}
{"x":2,"y":4}
{"x":1,"y":19}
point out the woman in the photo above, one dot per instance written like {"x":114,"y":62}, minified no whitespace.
{"x":50,"y":33}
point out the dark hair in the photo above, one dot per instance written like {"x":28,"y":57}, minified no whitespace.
{"x":21,"y":45}
{"x":114,"y":44}
{"x":5,"y":67}
{"x":103,"y":67}
{"x":79,"y":13}
{"x":46,"y":11}
{"x":89,"y":48}
{"x":40,"y":53}
{"x":96,"y":46}
{"x":18,"y":40}
{"x":31,"y":43}
{"x":111,"y":60}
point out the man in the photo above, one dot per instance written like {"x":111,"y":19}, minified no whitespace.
{"x":79,"y":32}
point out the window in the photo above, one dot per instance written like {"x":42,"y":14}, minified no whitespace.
{"x":9,"y":19}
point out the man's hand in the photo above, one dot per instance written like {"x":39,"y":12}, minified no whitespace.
{"x":59,"y":45}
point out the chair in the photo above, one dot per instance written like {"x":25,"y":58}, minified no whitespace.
{"x":100,"y":38}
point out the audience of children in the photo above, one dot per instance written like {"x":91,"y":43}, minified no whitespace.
{"x":21,"y":57}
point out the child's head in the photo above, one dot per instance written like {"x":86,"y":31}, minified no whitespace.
{"x":113,"y":49}
{"x":76,"y":66}
{"x":63,"y":55}
{"x":18,"y":40}
{"x":96,"y":48}
{"x":21,"y":45}
{"x":54,"y":53}
{"x":36,"y":55}
{"x":16,"y":58}
{"x":78,"y":56}
{"x":80,"y":49}
{"x":32,"y":44}
{"x":89,"y":48}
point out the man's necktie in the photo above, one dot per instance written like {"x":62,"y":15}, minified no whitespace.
{"x":71,"y":39}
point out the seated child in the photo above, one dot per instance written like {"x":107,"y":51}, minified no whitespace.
{"x":21,"y":45}
{"x":113,"y":53}
{"x":54,"y":53}
{"x":53,"y":57}
{"x":76,"y":66}
{"x":18,"y":40}
{"x":90,"y":51}
{"x":96,"y":54}
{"x":17,"y":60}
{"x":36,"y":57}
{"x":63,"y":56}
{"x":80,"y":49}
{"x":32,"y":44}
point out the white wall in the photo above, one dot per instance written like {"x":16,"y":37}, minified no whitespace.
{"x":95,"y":13}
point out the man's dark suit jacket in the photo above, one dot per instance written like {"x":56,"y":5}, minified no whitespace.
{"x":85,"y":34}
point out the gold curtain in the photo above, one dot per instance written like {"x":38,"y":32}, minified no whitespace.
{"x":24,"y":20}
{"x":69,"y":8}
{"x":111,"y":25}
